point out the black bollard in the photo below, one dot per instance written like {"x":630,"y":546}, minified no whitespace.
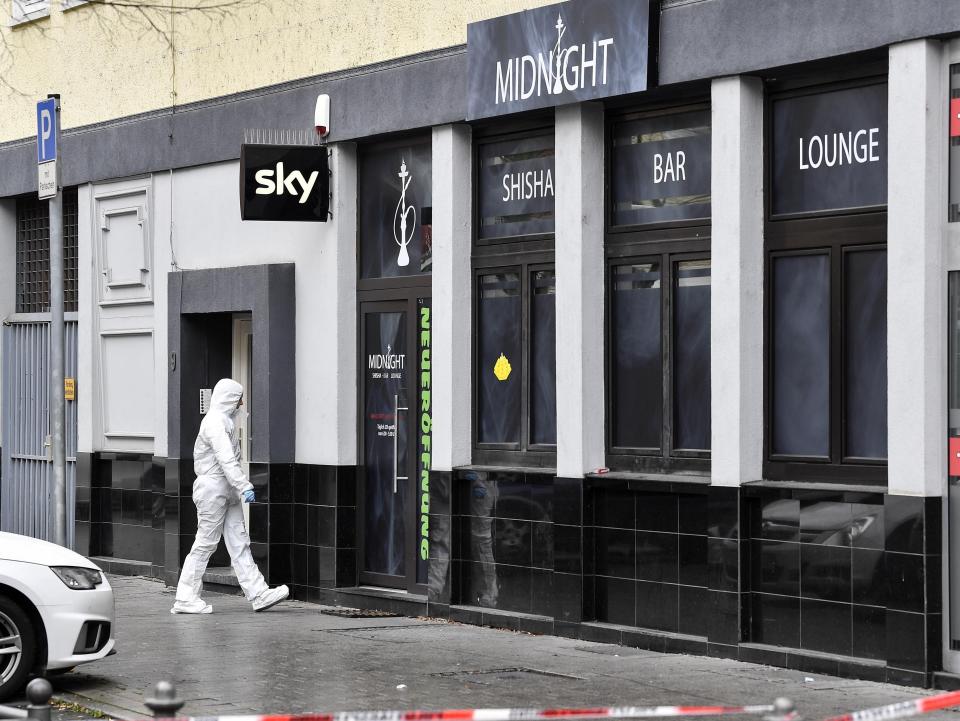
{"x":164,"y":703}
{"x":39,"y":692}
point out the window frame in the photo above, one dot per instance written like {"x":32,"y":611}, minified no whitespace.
{"x":524,"y":255}
{"x":836,"y":236}
{"x":665,"y":458}
{"x":414,"y":280}
{"x":836,"y":231}
{"x":624,"y":232}
{"x":492,"y":244}
{"x":666,"y":242}
{"x":524,"y":452}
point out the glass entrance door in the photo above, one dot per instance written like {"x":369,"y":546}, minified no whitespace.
{"x":391,"y":379}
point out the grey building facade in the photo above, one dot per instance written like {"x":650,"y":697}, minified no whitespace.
{"x":665,"y":357}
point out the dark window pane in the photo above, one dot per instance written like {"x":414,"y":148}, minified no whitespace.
{"x":637,"y":376}
{"x":691,"y":344}
{"x":660,"y":168}
{"x":543,"y":359}
{"x":801,"y":355}
{"x":865,"y":352}
{"x":385,"y":426}
{"x":499,"y":365}
{"x":395,"y":211}
{"x":515,"y":193}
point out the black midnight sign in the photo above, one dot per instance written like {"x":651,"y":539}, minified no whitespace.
{"x":516,"y":188}
{"x":660,"y":168}
{"x":558,"y":54}
{"x":284,"y":182}
{"x":830,"y":151}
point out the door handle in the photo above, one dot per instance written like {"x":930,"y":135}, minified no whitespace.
{"x":396,"y":440}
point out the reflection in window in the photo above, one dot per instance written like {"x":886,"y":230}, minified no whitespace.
{"x":865,"y":353}
{"x":691,"y":348}
{"x":637,"y":369}
{"x":499,"y":371}
{"x":543,"y":359}
{"x":801,"y":355}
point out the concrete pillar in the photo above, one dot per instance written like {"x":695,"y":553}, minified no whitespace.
{"x":580,"y":282}
{"x":916,"y":293}
{"x":344,"y":355}
{"x":736,"y":328}
{"x":452,"y":209}
{"x":88,"y":317}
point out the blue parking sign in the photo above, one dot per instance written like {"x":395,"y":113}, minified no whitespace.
{"x":47,"y":130}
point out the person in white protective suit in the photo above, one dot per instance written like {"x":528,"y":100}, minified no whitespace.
{"x":220,"y":485}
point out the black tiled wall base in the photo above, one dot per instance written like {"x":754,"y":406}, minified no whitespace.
{"x":838,"y":582}
{"x":847,"y":573}
{"x":302,"y":527}
{"x":120,"y":507}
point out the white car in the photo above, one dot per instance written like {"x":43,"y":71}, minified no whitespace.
{"x":56,"y":610}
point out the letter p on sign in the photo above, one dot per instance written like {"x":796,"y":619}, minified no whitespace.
{"x":46,"y":130}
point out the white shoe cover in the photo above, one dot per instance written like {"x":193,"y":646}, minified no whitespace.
{"x":195,"y":607}
{"x":270,"y":597}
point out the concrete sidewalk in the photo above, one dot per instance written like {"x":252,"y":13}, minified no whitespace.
{"x":295,"y":659}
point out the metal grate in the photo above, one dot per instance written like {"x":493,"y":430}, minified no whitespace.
{"x":512,"y":673}
{"x":358,"y":613}
{"x":33,"y":254}
{"x":71,"y":241}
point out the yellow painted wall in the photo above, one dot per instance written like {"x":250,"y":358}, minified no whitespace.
{"x":110,"y":62}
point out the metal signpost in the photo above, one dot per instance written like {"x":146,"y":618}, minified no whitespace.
{"x":48,"y":186}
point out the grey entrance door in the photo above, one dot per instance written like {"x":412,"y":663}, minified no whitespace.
{"x":26,"y":473}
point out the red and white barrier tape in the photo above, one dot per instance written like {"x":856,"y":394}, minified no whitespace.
{"x":903,"y":709}
{"x":514,"y":714}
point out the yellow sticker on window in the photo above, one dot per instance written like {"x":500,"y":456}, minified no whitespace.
{"x":501,"y":368}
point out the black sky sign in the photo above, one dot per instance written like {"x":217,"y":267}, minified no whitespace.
{"x":660,"y":168}
{"x":284,"y":182}
{"x":830,"y":151}
{"x":558,"y":54}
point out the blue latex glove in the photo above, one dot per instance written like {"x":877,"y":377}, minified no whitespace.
{"x":248,"y":496}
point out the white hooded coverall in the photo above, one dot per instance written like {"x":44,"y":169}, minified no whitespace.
{"x":216,"y":494}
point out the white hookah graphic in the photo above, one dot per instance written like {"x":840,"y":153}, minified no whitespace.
{"x":402,"y":211}
{"x":559,"y":56}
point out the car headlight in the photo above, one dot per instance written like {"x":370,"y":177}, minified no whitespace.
{"x":79,"y":579}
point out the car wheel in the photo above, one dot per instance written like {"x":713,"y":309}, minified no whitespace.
{"x":18,"y":648}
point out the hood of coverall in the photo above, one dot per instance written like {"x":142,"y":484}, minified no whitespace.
{"x":225,"y":396}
